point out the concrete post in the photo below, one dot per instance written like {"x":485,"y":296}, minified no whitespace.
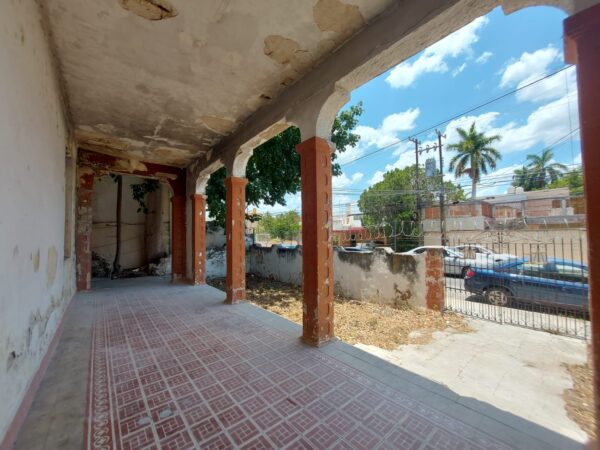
{"x":434,"y":279}
{"x":236,"y":242}
{"x":317,"y":248}
{"x":582,"y":47}
{"x":199,"y":238}
{"x":178,"y":254}
{"x":85,"y":186}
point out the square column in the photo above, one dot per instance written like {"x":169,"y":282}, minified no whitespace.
{"x":236,"y":238}
{"x":178,"y":255}
{"x":317,"y":247}
{"x":582,"y":47}
{"x":199,"y":238}
{"x":83,"y":244}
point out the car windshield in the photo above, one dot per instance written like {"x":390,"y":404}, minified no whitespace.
{"x":452,"y":253}
{"x":471,"y":251}
{"x":560,"y":272}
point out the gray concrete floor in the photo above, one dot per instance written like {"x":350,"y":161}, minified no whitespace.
{"x":57,"y":417}
{"x":515,"y":369}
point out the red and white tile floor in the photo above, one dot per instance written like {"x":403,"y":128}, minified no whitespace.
{"x":164,"y":375}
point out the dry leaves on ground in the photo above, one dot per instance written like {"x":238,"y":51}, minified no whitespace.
{"x":580,"y":399}
{"x":355,"y":321}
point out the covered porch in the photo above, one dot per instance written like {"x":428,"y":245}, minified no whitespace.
{"x":173,"y":367}
{"x":174,"y":93}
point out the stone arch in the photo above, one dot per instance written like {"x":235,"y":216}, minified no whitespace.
{"x":236,"y":167}
{"x":318,"y":114}
{"x":201,"y":179}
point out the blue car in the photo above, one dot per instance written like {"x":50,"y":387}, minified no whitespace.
{"x":556,"y":282}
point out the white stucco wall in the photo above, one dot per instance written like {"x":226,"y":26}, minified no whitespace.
{"x":379,"y":277}
{"x":282,"y":264}
{"x":36,"y":281}
{"x":215,"y":237}
{"x":133,"y":223}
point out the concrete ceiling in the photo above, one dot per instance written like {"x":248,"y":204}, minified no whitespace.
{"x":168,"y":90}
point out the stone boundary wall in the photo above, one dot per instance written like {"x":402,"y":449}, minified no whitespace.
{"x":379,"y":277}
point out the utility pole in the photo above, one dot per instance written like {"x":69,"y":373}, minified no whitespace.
{"x":442,"y":189}
{"x":417,"y":143}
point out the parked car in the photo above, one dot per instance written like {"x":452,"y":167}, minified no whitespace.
{"x":479,"y":256}
{"x":556,"y":282}
{"x":454,"y":263}
{"x":356,"y":249}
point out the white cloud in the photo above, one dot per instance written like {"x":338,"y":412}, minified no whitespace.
{"x":343,"y":181}
{"x":432,"y":59}
{"x":376,"y":178}
{"x":577,"y":159}
{"x":547,"y":124}
{"x":459,"y":69}
{"x":484,"y":57}
{"x":384,"y":135}
{"x":500,"y":181}
{"x":529,"y":66}
{"x":550,"y":88}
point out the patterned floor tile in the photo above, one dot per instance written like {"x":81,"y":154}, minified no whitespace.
{"x":169,"y":376}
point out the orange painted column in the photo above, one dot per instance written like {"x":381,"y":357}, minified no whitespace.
{"x":236,"y":238}
{"x":178,"y":255}
{"x":317,"y":248}
{"x":83,"y":244}
{"x":582,"y":47}
{"x":199,"y":238}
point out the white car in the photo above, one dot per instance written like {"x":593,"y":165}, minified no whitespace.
{"x":478,"y":256}
{"x":454,"y":263}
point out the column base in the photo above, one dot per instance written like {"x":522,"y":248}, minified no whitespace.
{"x":317,"y":342}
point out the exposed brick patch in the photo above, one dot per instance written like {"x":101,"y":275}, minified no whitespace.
{"x":317,"y":261}
{"x":434,"y":279}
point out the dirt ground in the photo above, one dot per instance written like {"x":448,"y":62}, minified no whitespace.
{"x":355,"y":321}
{"x":580,"y":400}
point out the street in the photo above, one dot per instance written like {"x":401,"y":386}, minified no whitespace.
{"x":526,"y":315}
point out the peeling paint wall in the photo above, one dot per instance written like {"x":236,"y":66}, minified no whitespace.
{"x":36,"y":280}
{"x":378,"y":277}
{"x":381,"y":277}
{"x":136,"y":240}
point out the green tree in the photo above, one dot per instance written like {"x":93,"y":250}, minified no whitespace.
{"x":273,"y":171}
{"x":524,"y":178}
{"x":572,"y":179}
{"x":475,"y":156}
{"x":391,"y":204}
{"x":284,"y":226}
{"x":543,"y":170}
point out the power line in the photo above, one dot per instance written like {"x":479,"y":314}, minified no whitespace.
{"x":475,"y":108}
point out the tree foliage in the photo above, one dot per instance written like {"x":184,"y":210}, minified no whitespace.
{"x":282,"y":226}
{"x":540,"y":173}
{"x":391,"y":204}
{"x":475,"y":156}
{"x":140,"y":190}
{"x":572,"y":179}
{"x":273,"y":171}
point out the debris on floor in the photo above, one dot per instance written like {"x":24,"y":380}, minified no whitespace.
{"x":579,"y":401}
{"x":355,"y":321}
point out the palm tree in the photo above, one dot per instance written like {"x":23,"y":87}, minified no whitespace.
{"x":475,"y":156}
{"x":524,"y":178}
{"x":543,"y":170}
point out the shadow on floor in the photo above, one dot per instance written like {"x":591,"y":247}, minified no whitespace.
{"x":57,"y":418}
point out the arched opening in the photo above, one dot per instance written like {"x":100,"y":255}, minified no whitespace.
{"x":131,"y":227}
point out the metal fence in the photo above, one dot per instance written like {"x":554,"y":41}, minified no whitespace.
{"x":539,"y":285}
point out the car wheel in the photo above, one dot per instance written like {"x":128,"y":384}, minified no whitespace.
{"x":497,"y":296}
{"x":463,"y":272}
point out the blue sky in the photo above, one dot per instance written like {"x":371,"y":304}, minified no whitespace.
{"x":488,"y":57}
